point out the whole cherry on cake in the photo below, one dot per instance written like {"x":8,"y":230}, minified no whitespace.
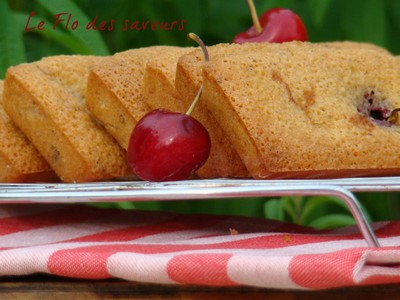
{"x":276,"y":25}
{"x":166,"y":145}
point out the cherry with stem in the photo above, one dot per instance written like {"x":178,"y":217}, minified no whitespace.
{"x":276,"y":25}
{"x":165,"y":145}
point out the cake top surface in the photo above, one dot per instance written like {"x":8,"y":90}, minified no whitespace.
{"x":122,"y":74}
{"x":312,"y":96}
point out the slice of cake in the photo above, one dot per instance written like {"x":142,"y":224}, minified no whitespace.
{"x":19,"y":159}
{"x":46,"y":100}
{"x":308,"y":110}
{"x":114,"y":90}
{"x":189,"y":78}
{"x":159,"y":92}
{"x":188,"y":81}
{"x":159,"y":81}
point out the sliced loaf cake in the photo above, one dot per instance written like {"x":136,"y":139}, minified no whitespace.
{"x":308,"y":110}
{"x":46,"y":100}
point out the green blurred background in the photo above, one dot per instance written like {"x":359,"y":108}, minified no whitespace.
{"x":375,"y":21}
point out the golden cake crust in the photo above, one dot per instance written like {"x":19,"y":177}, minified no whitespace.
{"x":47,"y":104}
{"x":114,"y":90}
{"x":296,"y":113}
{"x":188,"y":81}
{"x":19,"y":159}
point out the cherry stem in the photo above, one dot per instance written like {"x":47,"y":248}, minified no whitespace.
{"x":198,"y":40}
{"x":196,"y":99}
{"x":203,"y":47}
{"x":254,"y":16}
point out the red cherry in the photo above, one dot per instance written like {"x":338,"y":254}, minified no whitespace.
{"x":276,"y":25}
{"x":168,"y":146}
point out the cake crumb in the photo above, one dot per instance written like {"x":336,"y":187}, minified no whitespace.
{"x":233,"y":231}
{"x":287,"y":238}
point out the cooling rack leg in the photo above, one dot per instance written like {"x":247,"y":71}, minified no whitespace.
{"x":327,"y":190}
{"x":359,"y":216}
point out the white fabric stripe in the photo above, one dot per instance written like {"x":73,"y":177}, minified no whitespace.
{"x":218,"y":229}
{"x":24,"y":261}
{"x":183,"y":236}
{"x":261,"y":271}
{"x":54,"y":234}
{"x":140,"y":267}
{"x":169,"y":238}
{"x":377,"y":263}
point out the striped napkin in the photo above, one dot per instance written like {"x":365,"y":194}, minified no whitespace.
{"x":169,"y":248}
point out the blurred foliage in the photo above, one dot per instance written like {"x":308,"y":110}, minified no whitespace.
{"x":318,"y":212}
{"x":216,"y":21}
{"x":375,"y":21}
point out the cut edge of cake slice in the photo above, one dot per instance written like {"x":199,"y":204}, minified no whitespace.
{"x":19,"y":159}
{"x":58,"y":123}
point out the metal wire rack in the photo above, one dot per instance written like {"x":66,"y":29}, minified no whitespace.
{"x":204,"y":189}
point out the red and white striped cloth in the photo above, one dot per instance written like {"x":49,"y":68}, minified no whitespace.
{"x":169,"y":248}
